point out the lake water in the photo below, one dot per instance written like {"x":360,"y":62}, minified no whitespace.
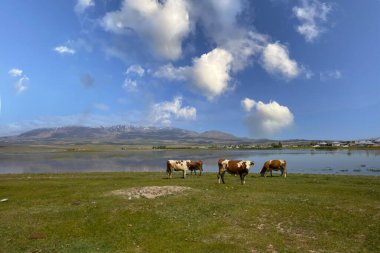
{"x":359,"y":162}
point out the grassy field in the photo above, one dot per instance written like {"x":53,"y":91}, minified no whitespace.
{"x":77,"y":213}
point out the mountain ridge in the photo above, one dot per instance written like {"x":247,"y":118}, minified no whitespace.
{"x":128,"y":134}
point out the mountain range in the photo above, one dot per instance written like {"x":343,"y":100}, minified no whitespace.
{"x":127,"y":135}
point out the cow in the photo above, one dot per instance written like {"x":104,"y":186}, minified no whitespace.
{"x":273,"y":165}
{"x":233,"y":167}
{"x":194,"y":166}
{"x":182,"y":165}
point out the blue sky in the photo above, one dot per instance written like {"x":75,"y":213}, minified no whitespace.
{"x":278,"y":68}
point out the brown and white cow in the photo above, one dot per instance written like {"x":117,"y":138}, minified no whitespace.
{"x":274,"y":165}
{"x":182,"y":165}
{"x":194,"y":166}
{"x":233,"y":167}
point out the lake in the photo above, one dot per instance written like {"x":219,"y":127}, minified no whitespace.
{"x":358,"y":162}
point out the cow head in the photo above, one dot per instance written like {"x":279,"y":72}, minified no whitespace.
{"x":262,"y":172}
{"x":249,"y":163}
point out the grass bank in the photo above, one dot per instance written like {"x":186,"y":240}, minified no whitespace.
{"x":302,"y":213}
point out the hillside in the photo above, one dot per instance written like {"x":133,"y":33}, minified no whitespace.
{"x":126,"y":134}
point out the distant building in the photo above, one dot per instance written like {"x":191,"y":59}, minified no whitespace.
{"x":336,"y":144}
{"x":364,"y":143}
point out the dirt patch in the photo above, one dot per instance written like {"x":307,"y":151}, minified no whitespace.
{"x":149,"y":192}
{"x":37,"y":236}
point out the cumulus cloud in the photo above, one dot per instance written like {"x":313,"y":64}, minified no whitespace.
{"x":275,"y":60}
{"x":244,"y":48}
{"x":248,"y":104}
{"x":82,"y":5}
{"x":312,"y":14}
{"x":163,"y":25}
{"x":219,"y":19}
{"x":64,"y":50}
{"x":165,"y":112}
{"x":135,"y":69}
{"x":209,"y":74}
{"x":266,"y":119}
{"x":15,"y":72}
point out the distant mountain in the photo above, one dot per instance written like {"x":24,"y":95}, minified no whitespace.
{"x":128,"y":135}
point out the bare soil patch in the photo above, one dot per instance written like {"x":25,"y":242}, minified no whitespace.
{"x":149,"y":192}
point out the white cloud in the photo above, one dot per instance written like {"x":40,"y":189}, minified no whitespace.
{"x":312,"y":14}
{"x":64,"y":50}
{"x":130,"y":85}
{"x":82,"y":5}
{"x":266,"y":119}
{"x":170,"y":72}
{"x":21,"y":84}
{"x":135,"y":69}
{"x":275,"y":60}
{"x":162,"y":24}
{"x":335,"y":74}
{"x":209,"y":74}
{"x":219,"y":19}
{"x":164,"y":113}
{"x":243,"y":47}
{"x":15,"y":72}
{"x":248,"y":104}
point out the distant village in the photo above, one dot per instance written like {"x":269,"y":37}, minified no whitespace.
{"x":374,"y":143}
{"x":296,"y":144}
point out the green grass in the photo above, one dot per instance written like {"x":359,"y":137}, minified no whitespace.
{"x":302,"y":213}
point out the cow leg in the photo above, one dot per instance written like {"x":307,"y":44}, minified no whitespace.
{"x":242,"y":177}
{"x":184,"y":173}
{"x":221,"y":176}
{"x":169,"y":169}
{"x":271,"y":173}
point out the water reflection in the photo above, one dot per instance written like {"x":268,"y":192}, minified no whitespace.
{"x":362,"y":162}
